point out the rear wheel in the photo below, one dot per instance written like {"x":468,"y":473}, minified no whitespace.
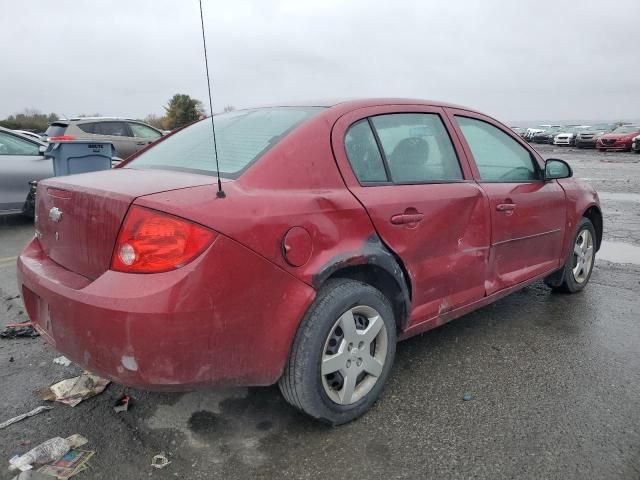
{"x":342,"y":353}
{"x":579,"y":264}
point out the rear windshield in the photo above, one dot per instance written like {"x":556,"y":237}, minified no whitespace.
{"x":242,"y":137}
{"x":56,"y":130}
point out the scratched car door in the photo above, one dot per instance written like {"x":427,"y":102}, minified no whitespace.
{"x":408,"y":176}
{"x":528,"y":214}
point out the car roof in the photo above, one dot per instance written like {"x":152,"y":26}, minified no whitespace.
{"x":363,"y":102}
{"x":19,"y":135}
{"x":79,"y":119}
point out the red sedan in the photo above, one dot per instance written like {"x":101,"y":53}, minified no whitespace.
{"x":342,"y":229}
{"x":619,"y":139}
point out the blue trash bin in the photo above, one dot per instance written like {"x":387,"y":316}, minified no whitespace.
{"x":79,"y":156}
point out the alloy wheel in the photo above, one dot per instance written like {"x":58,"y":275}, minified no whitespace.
{"x":354,"y":355}
{"x":583,"y":256}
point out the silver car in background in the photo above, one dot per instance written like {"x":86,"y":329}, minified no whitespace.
{"x":589,"y":137}
{"x":21,"y":161}
{"x":127,"y":136}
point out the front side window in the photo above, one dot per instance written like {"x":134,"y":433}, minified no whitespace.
{"x":142,"y":131}
{"x":114,"y":129}
{"x":499,"y":157}
{"x":12,"y":145}
{"x":242,"y":137}
{"x":417,"y":148}
{"x":363,"y":153}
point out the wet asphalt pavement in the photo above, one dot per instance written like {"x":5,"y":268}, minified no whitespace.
{"x":554,"y":379}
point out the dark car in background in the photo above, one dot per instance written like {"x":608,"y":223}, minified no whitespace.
{"x":520,"y":131}
{"x":547,"y":135}
{"x":127,"y":136}
{"x":588,"y":138}
{"x":619,"y":139}
{"x":21,"y":161}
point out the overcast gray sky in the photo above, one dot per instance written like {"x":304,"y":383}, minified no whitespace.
{"x":515,"y":60}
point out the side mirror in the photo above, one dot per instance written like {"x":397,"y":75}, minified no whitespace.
{"x":555,"y":169}
{"x":42,"y":149}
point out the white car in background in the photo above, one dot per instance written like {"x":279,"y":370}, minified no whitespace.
{"x":540,"y":128}
{"x":635,"y":144}
{"x":31,"y":135}
{"x":568,"y":137}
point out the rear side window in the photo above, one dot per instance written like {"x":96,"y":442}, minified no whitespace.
{"x":56,"y":130}
{"x":12,"y":145}
{"x":242,"y":137}
{"x":363,"y":153}
{"x":116,"y":129}
{"x":86,"y":127}
{"x":417,"y":148}
{"x":498,"y":156}
{"x":142,"y":131}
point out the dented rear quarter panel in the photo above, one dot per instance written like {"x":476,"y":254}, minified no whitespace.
{"x":296,"y":183}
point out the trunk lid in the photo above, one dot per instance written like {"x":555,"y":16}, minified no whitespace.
{"x":78,"y":217}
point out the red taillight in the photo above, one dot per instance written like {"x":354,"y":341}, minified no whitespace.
{"x":61,"y":138}
{"x":152,"y":242}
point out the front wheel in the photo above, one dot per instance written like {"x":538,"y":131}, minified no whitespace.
{"x":579,"y":264}
{"x":342,"y":353}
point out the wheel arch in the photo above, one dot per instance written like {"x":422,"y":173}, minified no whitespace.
{"x":594,"y":214}
{"x":377,"y":266}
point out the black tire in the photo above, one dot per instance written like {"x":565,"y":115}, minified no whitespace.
{"x":302,"y":382}
{"x":564,"y":280}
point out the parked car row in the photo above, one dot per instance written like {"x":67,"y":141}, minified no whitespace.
{"x":603,"y":136}
{"x":22,"y":152}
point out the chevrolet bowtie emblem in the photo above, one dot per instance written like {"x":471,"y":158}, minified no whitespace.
{"x":55,"y":214}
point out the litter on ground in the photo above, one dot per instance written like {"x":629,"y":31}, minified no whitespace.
{"x":74,"y":390}
{"x":50,"y":451}
{"x":160,"y":461}
{"x":64,"y":361}
{"x":33,"y":412}
{"x":73,"y":462}
{"x":122,"y":405}
{"x":15,"y":330}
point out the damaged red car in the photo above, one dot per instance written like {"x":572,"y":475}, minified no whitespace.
{"x":342,"y":228}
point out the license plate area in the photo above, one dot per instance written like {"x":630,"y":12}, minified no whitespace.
{"x":39,"y":313}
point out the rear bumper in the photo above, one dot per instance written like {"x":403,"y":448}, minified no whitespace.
{"x":203,"y":324}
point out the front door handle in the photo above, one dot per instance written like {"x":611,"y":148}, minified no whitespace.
{"x":141,"y":143}
{"x":407,"y":218}
{"x":506,"y":207}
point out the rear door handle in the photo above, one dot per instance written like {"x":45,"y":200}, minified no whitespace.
{"x":506,"y":207}
{"x":141,"y":143}
{"x":406,"y":218}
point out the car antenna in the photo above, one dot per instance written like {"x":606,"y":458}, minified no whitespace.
{"x":220,"y":193}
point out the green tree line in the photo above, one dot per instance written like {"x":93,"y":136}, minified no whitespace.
{"x":181,"y":110}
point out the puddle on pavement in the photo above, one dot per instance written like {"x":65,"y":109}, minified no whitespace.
{"x":618,"y":252}
{"x":623,"y":197}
